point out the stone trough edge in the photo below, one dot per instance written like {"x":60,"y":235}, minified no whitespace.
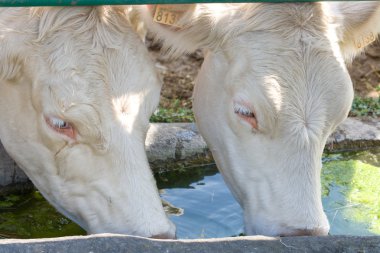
{"x":182,"y":141}
{"x":123,"y":243}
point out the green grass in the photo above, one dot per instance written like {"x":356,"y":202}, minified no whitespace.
{"x":175,"y":112}
{"x":172,"y":115}
{"x":365,"y":107}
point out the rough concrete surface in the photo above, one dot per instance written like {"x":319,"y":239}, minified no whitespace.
{"x":109,"y":243}
{"x":173,"y":141}
{"x":354,"y":134}
{"x":9,"y":171}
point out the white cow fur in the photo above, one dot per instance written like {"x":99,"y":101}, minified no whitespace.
{"x":85,"y":66}
{"x":285,"y":64}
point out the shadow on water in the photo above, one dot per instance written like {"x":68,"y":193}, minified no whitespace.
{"x":31,"y":216}
{"x":183,"y":178}
{"x":371,"y":156}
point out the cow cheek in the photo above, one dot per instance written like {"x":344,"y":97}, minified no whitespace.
{"x":77,"y":163}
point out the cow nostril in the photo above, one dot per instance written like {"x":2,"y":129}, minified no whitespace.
{"x":164,"y":236}
{"x":307,"y":232}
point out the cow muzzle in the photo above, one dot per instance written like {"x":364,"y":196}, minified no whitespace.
{"x":306,"y":232}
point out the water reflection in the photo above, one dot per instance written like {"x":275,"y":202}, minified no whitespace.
{"x":334,"y":205}
{"x":353,"y":200}
{"x":209,"y":208}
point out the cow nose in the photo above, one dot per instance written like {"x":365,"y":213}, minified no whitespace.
{"x":307,"y":232}
{"x":167,"y":235}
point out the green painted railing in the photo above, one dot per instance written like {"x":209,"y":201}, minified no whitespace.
{"x":17,"y":3}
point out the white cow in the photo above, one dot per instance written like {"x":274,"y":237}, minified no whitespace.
{"x":77,"y":88}
{"x":272,"y":88}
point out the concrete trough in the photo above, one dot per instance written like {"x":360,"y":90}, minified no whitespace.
{"x":110,"y":243}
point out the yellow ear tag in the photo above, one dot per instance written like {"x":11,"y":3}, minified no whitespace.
{"x":364,"y":40}
{"x":169,"y":14}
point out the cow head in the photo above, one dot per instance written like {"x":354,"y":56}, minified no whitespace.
{"x":272,"y":88}
{"x":77,"y":89}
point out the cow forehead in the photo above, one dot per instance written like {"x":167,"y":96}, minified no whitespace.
{"x":69,"y":50}
{"x":294,"y":75}
{"x":73,"y":47}
{"x":71,"y":78}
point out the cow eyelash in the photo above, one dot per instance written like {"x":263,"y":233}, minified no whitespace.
{"x":61,"y":126}
{"x":246,"y":114}
{"x":59,"y":123}
{"x":241,"y":110}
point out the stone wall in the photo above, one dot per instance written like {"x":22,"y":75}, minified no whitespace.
{"x":12,"y":178}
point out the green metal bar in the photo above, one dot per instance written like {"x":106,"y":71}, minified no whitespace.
{"x":19,"y":3}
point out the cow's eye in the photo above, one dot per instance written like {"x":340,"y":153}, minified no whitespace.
{"x":58,"y":123}
{"x":61,"y":126}
{"x":245,"y":113}
{"x":242,"y":111}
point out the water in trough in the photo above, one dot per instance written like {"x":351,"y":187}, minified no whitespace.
{"x":201,"y":206}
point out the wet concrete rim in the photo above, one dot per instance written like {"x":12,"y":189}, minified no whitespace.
{"x":122,"y":243}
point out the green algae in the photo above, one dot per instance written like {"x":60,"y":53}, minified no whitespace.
{"x":31,"y":216}
{"x":360,"y":186}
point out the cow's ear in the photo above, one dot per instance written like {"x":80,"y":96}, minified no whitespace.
{"x":358,"y":25}
{"x":184,"y":27}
